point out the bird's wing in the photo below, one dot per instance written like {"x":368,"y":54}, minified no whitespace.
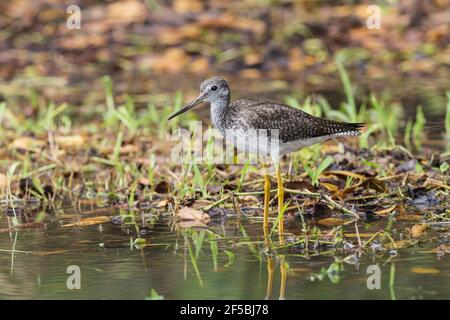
{"x":292,"y":123}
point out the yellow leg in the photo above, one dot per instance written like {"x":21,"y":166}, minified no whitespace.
{"x":280,"y":204}
{"x":283,"y":272}
{"x":266,"y":209}
{"x":270,"y":271}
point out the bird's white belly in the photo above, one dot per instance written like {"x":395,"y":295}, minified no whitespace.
{"x":292,"y":146}
{"x":249,"y":141}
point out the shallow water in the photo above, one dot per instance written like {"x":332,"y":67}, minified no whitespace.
{"x":113,"y":269}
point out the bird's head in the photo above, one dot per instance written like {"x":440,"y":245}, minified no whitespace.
{"x":212,"y":90}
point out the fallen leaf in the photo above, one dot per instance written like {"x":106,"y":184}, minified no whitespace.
{"x":418,"y":230}
{"x":422,"y":270}
{"x":329,"y":186}
{"x":410,"y":217}
{"x":199,"y":66}
{"x":165,"y":62}
{"x":331,"y":221}
{"x":361,"y":235}
{"x":251,"y":199}
{"x":253,"y":58}
{"x":89,"y":221}
{"x":27,"y":144}
{"x":250,"y":73}
{"x":144,"y":182}
{"x":129,"y":11}
{"x":187,"y":6}
{"x":296,"y":59}
{"x":174,"y":35}
{"x":230,"y":21}
{"x":162,"y":203}
{"x":189,"y":214}
{"x":129,"y":148}
{"x":75,"y":141}
{"x":386,"y":211}
{"x":83,"y":41}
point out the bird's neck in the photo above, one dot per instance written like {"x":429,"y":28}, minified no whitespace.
{"x":219,"y":110}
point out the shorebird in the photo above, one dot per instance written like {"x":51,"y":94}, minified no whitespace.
{"x":275,"y":129}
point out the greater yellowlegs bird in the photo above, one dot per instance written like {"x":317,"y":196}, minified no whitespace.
{"x":258,"y":125}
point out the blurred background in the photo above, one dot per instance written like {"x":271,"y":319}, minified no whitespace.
{"x":269,"y":48}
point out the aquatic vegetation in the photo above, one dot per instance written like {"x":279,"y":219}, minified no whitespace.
{"x":154,"y":295}
{"x":418,"y":128}
{"x":315,"y":174}
{"x":332,"y":272}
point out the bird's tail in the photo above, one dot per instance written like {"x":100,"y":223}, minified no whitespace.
{"x":350,"y":129}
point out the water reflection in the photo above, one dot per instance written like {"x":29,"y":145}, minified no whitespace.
{"x":270,"y":271}
{"x":271,"y":267}
{"x":218,"y":263}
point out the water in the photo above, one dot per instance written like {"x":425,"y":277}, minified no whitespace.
{"x":113,"y":269}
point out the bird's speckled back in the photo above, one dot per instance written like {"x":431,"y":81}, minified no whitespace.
{"x":291,"y":123}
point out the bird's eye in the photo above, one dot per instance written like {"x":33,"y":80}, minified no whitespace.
{"x":214,"y":88}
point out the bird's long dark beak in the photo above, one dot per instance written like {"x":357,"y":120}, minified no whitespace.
{"x":194,"y":103}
